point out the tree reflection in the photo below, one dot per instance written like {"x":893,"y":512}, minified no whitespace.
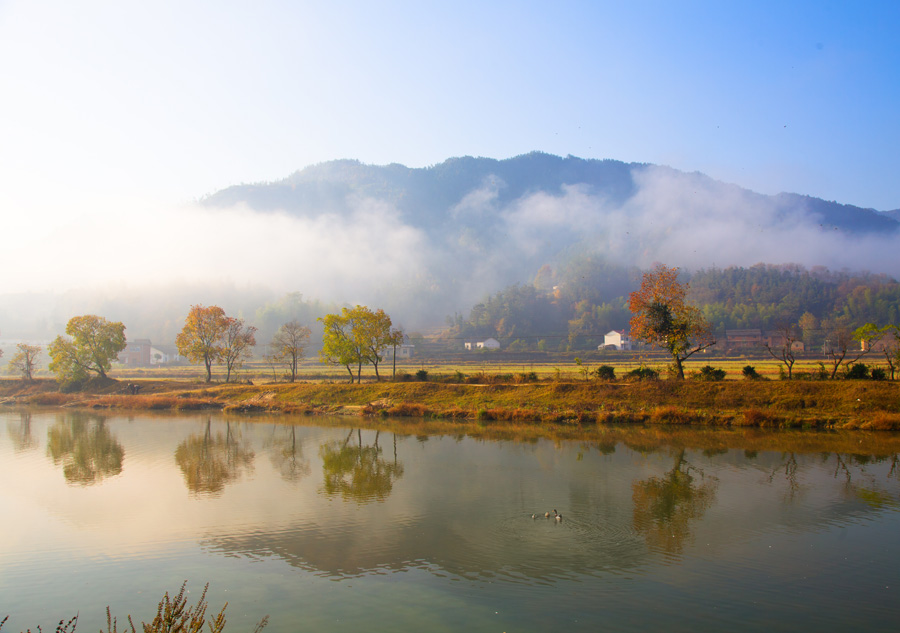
{"x":358,"y":472}
{"x":665,"y":506}
{"x":20,"y":434}
{"x":287,"y":455}
{"x":209,"y":461}
{"x":88,"y":452}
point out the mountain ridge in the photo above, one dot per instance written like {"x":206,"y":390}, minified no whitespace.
{"x":441,"y":187}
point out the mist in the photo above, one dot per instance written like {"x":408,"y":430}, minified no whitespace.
{"x":146,"y":265}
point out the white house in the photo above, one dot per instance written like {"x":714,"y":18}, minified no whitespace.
{"x":490,"y":343}
{"x":618,"y":340}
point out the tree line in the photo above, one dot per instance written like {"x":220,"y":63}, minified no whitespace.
{"x":571,"y":307}
{"x":352,"y":338}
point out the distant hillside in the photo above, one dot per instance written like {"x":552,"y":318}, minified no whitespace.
{"x":427,"y":197}
{"x":432,"y":241}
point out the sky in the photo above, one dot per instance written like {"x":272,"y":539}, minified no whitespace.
{"x":114,"y":115}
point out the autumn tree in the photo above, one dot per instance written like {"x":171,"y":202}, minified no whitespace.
{"x":238,"y":341}
{"x":95,"y":343}
{"x":375,"y":333}
{"x":201,"y":337}
{"x":288,"y":345}
{"x":661,"y":317}
{"x":883,"y":339}
{"x":24,"y":361}
{"x":341,"y":342}
{"x":357,"y":336}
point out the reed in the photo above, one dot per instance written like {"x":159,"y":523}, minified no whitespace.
{"x":173,"y":615}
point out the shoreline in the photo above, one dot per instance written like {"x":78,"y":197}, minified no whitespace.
{"x":841,"y":404}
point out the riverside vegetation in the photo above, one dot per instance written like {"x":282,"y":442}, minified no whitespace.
{"x":513,"y":399}
{"x":173,"y":615}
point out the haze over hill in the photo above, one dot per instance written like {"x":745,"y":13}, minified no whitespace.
{"x":434,"y":240}
{"x":430,"y":242}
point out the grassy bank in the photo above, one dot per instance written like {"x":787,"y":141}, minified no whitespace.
{"x":842,"y":404}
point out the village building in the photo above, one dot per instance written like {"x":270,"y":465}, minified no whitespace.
{"x":490,"y":343}
{"x":136,"y":353}
{"x":404,"y":352}
{"x":616,"y":340}
{"x":743,"y":339}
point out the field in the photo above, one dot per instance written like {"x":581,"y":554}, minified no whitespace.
{"x":486,"y":365}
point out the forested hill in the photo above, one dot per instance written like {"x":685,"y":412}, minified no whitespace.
{"x":573,"y":307}
{"x":431,"y":198}
{"x":427,"y":242}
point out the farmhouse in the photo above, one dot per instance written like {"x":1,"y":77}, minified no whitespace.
{"x":490,"y":343}
{"x":743,"y":338}
{"x":136,"y":353}
{"x":617,"y":340}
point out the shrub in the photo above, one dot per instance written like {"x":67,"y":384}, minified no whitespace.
{"x":606,"y":372}
{"x":402,"y":376}
{"x":642,"y":373}
{"x":878,"y":373}
{"x":857,"y":371}
{"x":749,"y":372}
{"x":709,"y":373}
{"x":422,"y":375}
{"x":530,"y":376}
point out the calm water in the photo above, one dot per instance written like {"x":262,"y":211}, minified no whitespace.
{"x":332,"y":528}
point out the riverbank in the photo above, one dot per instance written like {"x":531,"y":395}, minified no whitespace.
{"x":872,"y":405}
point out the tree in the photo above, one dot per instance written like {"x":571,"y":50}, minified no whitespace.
{"x":288,"y":344}
{"x":356,"y":336}
{"x":341,"y":344}
{"x":784,"y":350}
{"x":397,"y":338}
{"x":661,"y":317}
{"x":885,"y":339}
{"x":375,"y":334}
{"x":95,"y":343}
{"x":24,"y":361}
{"x":839,"y":344}
{"x":237,"y":343}
{"x":201,"y":337}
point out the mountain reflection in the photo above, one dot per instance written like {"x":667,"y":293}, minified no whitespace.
{"x":209,"y":461}
{"x":665,"y":507}
{"x":358,"y":472}
{"x":86,"y":449}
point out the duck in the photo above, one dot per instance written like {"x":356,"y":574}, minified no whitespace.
{"x":558,"y":517}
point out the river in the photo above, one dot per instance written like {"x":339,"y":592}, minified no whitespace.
{"x":325,"y":526}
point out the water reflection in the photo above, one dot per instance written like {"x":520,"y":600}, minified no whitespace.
{"x":210,"y":460}
{"x":665,"y":507}
{"x":86,"y":449}
{"x":358,"y":472}
{"x":286,"y":453}
{"x":20,"y":433}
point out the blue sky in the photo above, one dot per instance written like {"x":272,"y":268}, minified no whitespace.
{"x":175,"y":100}
{"x":112,"y":106}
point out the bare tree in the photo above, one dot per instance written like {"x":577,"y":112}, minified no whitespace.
{"x":237,"y":344}
{"x":839,"y":345}
{"x":288,"y":344}
{"x":24,"y":361}
{"x":788,"y":335}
